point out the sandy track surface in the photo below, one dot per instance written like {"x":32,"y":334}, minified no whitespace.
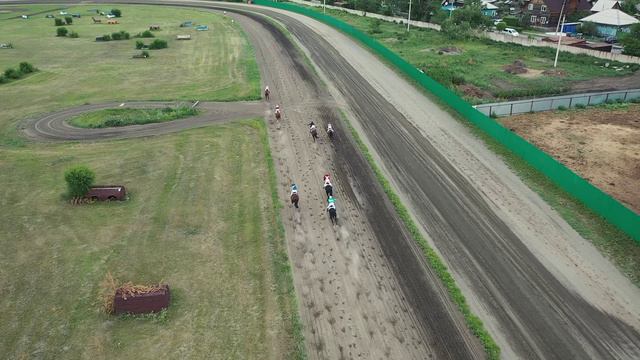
{"x":543,"y":291}
{"x":363,"y":287}
{"x":54,"y":127}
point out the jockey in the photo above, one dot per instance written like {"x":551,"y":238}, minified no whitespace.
{"x":329,"y":128}
{"x":266,"y":89}
{"x":312,"y":126}
{"x":332,"y":203}
{"x":294,"y":189}
{"x":326,"y":178}
{"x":327,"y":182}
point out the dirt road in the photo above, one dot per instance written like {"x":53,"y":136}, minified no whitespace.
{"x":53,"y":126}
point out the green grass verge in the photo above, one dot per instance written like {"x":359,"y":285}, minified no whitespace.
{"x":279,"y":255}
{"x":124,"y":117}
{"x":212,"y":247}
{"x":215,"y":65}
{"x":473,"y":322}
{"x":480,"y":62}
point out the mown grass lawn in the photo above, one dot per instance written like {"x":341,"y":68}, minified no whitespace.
{"x":481,"y":62}
{"x":200,"y":218}
{"x":218,"y":64}
{"x":124,"y":117}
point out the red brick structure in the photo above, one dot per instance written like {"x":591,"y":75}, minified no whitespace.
{"x":154,"y":301}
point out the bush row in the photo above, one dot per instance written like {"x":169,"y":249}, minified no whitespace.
{"x":23,"y":70}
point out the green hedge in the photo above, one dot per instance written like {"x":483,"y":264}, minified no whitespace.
{"x":592,"y":197}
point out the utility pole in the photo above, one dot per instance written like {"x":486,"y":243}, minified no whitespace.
{"x":324,"y":6}
{"x":409,"y":17}
{"x":560,"y":16}
{"x":555,"y":62}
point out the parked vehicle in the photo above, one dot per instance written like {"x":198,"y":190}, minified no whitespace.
{"x":510,"y":31}
{"x":107,"y":193}
{"x":611,"y":40}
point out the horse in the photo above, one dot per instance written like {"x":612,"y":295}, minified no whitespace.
{"x":333,"y":216}
{"x":314,"y":132}
{"x":277,"y":113}
{"x":294,"y":199}
{"x":330,"y":131}
{"x":328,"y":188}
{"x":266,"y":93}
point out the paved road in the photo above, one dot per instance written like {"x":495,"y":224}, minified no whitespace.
{"x":538,"y":314}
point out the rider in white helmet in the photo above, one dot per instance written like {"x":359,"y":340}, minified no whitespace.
{"x":312,"y":126}
{"x":329,"y":128}
{"x":294,"y":189}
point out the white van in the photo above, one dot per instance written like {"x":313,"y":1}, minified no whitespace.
{"x":510,"y":31}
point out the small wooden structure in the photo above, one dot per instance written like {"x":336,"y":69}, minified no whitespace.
{"x":183,"y":37}
{"x":154,"y":27}
{"x":153,"y":301}
{"x":107,"y":192}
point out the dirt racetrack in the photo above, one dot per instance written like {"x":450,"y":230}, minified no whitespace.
{"x":543,"y":291}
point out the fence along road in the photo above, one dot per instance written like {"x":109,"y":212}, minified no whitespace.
{"x":508,"y":108}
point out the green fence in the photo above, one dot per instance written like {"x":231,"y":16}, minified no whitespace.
{"x":592,"y":197}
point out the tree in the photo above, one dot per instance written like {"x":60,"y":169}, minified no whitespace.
{"x":629,"y":6}
{"x":116,"y":12}
{"x":631,"y":41}
{"x":68,"y":20}
{"x":139,"y":44}
{"x":62,"y":31}
{"x":501,"y":26}
{"x":58,"y":22}
{"x":79,"y":180}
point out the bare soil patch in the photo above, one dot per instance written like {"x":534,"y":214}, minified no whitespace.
{"x":606,"y":84}
{"x":602,"y":145}
{"x":518,"y":67}
{"x":555,"y":72}
{"x":531,"y":73}
{"x":474,"y":91}
{"x":450,"y":50}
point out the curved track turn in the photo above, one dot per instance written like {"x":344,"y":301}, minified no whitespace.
{"x":53,"y":126}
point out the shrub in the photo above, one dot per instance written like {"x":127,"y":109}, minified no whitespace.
{"x":501,"y":26}
{"x":3,"y":79}
{"x":116,"y":12}
{"x":58,"y":22}
{"x":146,"y":34}
{"x":589,"y":28}
{"x":139,"y":44}
{"x":12,"y":73}
{"x":27,"y":68}
{"x":580,"y":106}
{"x":120,"y":35}
{"x":62,"y":31}
{"x":68,"y":20}
{"x":562,"y":108}
{"x":73,"y":35}
{"x":79,"y":180}
{"x":158,"y":44}
{"x":106,"y":37}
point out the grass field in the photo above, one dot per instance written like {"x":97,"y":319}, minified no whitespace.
{"x":200,"y":218}
{"x":480,"y":62}
{"x":218,"y":64}
{"x":123,"y":117}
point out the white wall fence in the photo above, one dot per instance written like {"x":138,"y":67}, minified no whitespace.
{"x":555,"y":102}
{"x":521,"y":40}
